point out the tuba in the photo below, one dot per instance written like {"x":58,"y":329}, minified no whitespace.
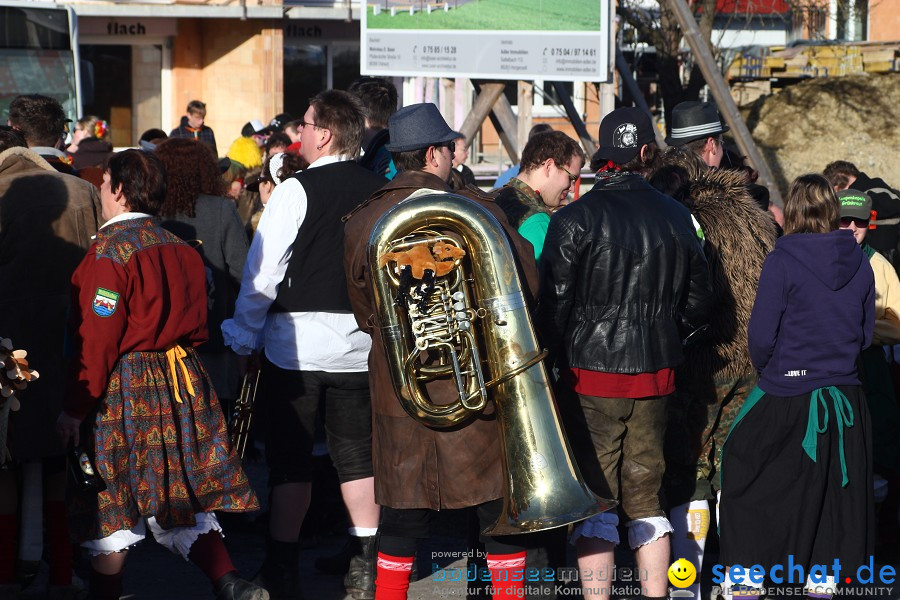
{"x":471,"y":325}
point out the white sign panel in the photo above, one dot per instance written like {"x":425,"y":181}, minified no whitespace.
{"x":487,"y":39}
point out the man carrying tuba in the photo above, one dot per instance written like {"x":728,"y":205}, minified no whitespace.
{"x":420,"y":469}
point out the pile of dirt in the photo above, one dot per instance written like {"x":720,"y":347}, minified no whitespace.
{"x":808,"y":125}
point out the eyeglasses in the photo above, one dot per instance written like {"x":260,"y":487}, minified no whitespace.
{"x":451,"y":145}
{"x":860,"y":223}
{"x":572,"y":177}
{"x":304,"y":124}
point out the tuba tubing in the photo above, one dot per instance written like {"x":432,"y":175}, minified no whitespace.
{"x":543,"y":486}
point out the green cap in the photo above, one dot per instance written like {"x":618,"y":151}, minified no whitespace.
{"x":855,"y":204}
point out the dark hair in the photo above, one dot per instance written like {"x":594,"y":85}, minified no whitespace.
{"x":538,"y":128}
{"x":411,"y":160}
{"x":341,"y":113}
{"x":554,"y":145}
{"x":636,"y":164}
{"x":295,"y":125}
{"x":41,"y":119}
{"x":811,"y":206}
{"x":196,"y":107}
{"x":192,"y":170}
{"x":10,"y":138}
{"x":673,"y":180}
{"x":291,"y":163}
{"x":839,"y":172}
{"x":153,"y":134}
{"x":734,"y":161}
{"x":277,"y":139}
{"x":697,"y":146}
{"x":684,"y":157}
{"x":378,"y":97}
{"x":142,"y":176}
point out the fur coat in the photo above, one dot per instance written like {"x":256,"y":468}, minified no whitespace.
{"x":739,"y":235}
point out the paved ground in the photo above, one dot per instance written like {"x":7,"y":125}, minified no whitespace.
{"x":153,"y":573}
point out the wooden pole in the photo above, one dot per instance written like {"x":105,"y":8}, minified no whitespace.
{"x":722,"y":95}
{"x":587,"y":141}
{"x":482,"y":106}
{"x":525,"y":100}
{"x":508,"y":127}
{"x":500,"y":113}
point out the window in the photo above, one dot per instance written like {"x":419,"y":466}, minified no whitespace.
{"x":546,"y":102}
{"x":312,"y":68}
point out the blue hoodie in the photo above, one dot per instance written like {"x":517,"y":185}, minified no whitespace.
{"x":814,"y":313}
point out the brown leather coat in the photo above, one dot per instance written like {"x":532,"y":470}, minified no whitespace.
{"x":416,"y":466}
{"x":46,"y":223}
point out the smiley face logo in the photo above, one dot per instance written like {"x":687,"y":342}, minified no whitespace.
{"x":682,"y":573}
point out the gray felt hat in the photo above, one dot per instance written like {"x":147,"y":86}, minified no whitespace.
{"x":418,"y":126}
{"x":695,"y":120}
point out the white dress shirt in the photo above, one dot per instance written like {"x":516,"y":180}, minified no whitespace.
{"x":298,"y":341}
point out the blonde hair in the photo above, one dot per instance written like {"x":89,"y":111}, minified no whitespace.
{"x":811,"y":206}
{"x":93,"y":126}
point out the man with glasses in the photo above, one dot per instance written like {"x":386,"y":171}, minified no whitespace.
{"x":293,"y":302}
{"x":551,"y":164}
{"x":698,"y":126}
{"x":419,"y":469}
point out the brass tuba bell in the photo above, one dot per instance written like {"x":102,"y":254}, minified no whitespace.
{"x":471,"y":324}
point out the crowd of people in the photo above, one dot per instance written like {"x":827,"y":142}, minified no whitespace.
{"x":689,"y":326}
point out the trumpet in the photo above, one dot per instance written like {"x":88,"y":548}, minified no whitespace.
{"x":243,"y":413}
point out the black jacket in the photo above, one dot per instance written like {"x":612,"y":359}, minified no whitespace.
{"x":885,"y":238}
{"x":623,"y":279}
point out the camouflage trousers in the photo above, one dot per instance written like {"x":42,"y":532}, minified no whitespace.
{"x":700,"y":416}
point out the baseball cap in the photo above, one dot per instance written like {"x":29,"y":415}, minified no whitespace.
{"x":252,"y":127}
{"x":622,"y":134}
{"x":855,"y":204}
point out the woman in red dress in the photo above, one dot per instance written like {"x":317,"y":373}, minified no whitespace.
{"x":138,"y":398}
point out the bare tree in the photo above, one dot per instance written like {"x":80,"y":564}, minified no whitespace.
{"x":657,"y":26}
{"x":661,"y":30}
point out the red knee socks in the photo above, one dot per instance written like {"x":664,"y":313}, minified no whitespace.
{"x":504,"y":569}
{"x":8,"y":547}
{"x":392,"y":577}
{"x":208,"y":552}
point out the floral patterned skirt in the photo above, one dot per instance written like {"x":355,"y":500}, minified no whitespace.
{"x":160,"y":457}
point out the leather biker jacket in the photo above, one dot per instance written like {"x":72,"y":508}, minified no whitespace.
{"x":623,"y":279}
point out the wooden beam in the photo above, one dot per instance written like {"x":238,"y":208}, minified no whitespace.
{"x":587,"y":141}
{"x":500,"y":113}
{"x":525,"y":101}
{"x":722,"y":95}
{"x":482,"y":106}
{"x":503,"y":115}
